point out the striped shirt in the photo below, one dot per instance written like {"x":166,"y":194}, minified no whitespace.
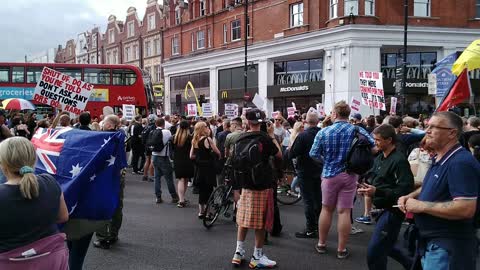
{"x":332,"y":143}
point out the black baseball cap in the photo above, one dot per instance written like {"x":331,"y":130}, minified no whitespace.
{"x":255,"y":116}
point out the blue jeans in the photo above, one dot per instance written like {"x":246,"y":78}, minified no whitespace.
{"x":311,"y":191}
{"x":435,"y":258}
{"x":77,"y":251}
{"x":382,"y":243}
{"x":450,"y":253}
{"x":163,"y":167}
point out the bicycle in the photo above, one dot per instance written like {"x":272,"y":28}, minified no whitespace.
{"x":285,"y":195}
{"x":219,"y":202}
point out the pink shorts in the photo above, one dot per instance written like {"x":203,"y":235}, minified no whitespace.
{"x":339,"y":190}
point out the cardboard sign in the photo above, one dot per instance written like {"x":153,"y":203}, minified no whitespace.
{"x":320,"y":110}
{"x":128,"y":111}
{"x":231,"y":110}
{"x":62,"y":91}
{"x":207,"y":110}
{"x":371,"y":89}
{"x":393,"y":105}
{"x":192,"y":109}
{"x":355,"y":105}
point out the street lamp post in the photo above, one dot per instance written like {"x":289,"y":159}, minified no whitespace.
{"x":245,"y":68}
{"x":404,"y":64}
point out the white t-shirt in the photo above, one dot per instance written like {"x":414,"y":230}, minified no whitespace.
{"x":167,"y":135}
{"x":167,"y":125}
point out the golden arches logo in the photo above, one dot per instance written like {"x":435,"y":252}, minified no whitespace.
{"x":190,"y":86}
{"x":224,"y":94}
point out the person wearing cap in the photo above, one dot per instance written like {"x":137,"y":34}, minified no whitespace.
{"x":357,"y":120}
{"x":255,"y":207}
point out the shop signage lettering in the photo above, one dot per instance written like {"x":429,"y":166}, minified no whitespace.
{"x":294,"y":88}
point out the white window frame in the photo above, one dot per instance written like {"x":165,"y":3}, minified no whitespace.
{"x":348,"y":5}
{"x":427,"y":5}
{"x":148,"y":48}
{"x":203,"y":8}
{"x":178,"y":18}
{"x":238,"y":27}
{"x":175,"y":46}
{"x":209,"y":36}
{"x":111,"y":36}
{"x":151,"y":21}
{"x":135,"y":51}
{"x":225,"y":33}
{"x":156,"y":46}
{"x":157,"y":71}
{"x":201,"y":39}
{"x":115,"y":56}
{"x":109,"y":55}
{"x":127,"y":54}
{"x":130,"y":29}
{"x":333,"y":8}
{"x":296,"y":14}
{"x":94,"y":40}
{"x":369,"y":7}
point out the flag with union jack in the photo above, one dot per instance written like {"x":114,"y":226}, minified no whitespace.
{"x":86,"y":164}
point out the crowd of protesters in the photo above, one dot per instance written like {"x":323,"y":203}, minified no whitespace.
{"x":427,"y":167}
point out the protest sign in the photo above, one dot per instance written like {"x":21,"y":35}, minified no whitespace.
{"x":294,"y":106}
{"x":290,"y":112}
{"x":258,"y":101}
{"x":393,"y":105}
{"x":244,"y":110}
{"x":192,"y":109}
{"x":62,"y":91}
{"x":128,"y":111}
{"x":207,"y":110}
{"x":371,"y":89}
{"x":355,"y":105}
{"x":320,"y":110}
{"x":231,"y":110}
{"x":274,"y":114}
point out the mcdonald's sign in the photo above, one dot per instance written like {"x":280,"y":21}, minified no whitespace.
{"x":224,"y":94}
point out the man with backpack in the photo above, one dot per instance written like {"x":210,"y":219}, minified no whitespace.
{"x":136,"y":142}
{"x":309,"y":175}
{"x":446,"y":206}
{"x":332,"y":144}
{"x":159,"y":143}
{"x":250,"y":160}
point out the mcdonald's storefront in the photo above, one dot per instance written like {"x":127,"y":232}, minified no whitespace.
{"x":231,"y":86}
{"x":304,"y":95}
{"x":178,"y":100}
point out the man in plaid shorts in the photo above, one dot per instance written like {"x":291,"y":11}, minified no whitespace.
{"x":255,"y":207}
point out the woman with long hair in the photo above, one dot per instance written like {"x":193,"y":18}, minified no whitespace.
{"x":204,"y":152}
{"x":30,"y":207}
{"x":183,"y":165}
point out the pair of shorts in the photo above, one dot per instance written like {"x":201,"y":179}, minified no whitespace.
{"x":339,"y":190}
{"x":252,"y":208}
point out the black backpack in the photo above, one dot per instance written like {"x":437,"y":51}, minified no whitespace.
{"x":155,"y":140}
{"x":359,"y":157}
{"x":248,"y":161}
{"x":146,"y":133}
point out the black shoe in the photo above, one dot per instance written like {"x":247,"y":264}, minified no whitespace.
{"x":102,"y":244}
{"x":306,"y":234}
{"x":159,"y":200}
{"x":175,"y":199}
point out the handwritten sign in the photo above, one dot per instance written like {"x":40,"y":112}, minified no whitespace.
{"x":192,"y":109}
{"x":128,"y":111}
{"x":355,"y":104}
{"x":371,"y":89}
{"x":231,"y":110}
{"x":320,"y":110}
{"x":59,"y":90}
{"x":291,"y":112}
{"x":207,"y":110}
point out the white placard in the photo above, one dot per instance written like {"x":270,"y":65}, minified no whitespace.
{"x":371,"y":89}
{"x":294,"y":106}
{"x":320,"y":110}
{"x":207,"y":110}
{"x":231,"y":110}
{"x":60,"y":90}
{"x":432,"y":84}
{"x":192,"y":109}
{"x":393,"y":105}
{"x":274,"y":114}
{"x":244,"y":110}
{"x":290,"y":112}
{"x":128,"y":111}
{"x":258,"y":101}
{"x":355,"y":104}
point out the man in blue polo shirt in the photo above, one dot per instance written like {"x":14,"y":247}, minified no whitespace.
{"x":445,"y":205}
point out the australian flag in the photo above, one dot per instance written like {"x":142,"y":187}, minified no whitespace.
{"x":86,"y":164}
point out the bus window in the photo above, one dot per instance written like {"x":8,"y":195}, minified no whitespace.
{"x":72,"y":72}
{"x":34,"y":74}
{"x":18,"y":74}
{"x":124,"y":77}
{"x":4,"y":74}
{"x":96,"y":75}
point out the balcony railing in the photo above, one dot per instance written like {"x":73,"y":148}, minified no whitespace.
{"x":302,"y":76}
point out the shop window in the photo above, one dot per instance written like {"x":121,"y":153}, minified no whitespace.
{"x":419,"y":64}
{"x":298,"y":71}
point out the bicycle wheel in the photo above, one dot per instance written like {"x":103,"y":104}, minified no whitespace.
{"x":214,"y":206}
{"x":284,"y":194}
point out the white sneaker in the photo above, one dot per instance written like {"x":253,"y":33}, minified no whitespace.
{"x":238,"y":258}
{"x":355,"y":230}
{"x":190,"y":184}
{"x":263,"y":262}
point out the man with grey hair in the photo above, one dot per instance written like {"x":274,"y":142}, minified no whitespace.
{"x":446,"y":204}
{"x":309,"y":175}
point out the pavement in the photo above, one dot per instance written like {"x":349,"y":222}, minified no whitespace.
{"x":166,"y":237}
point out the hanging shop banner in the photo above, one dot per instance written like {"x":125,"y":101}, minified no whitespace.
{"x":393,"y":105}
{"x":207,"y":110}
{"x":371,"y":89}
{"x":231,"y":110}
{"x":60,"y":90}
{"x":192,"y":109}
{"x":128,"y":111}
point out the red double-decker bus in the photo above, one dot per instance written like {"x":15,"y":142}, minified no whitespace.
{"x":114,"y":85}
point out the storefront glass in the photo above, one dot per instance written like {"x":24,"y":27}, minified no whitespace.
{"x":298,"y":71}
{"x":201,"y":83}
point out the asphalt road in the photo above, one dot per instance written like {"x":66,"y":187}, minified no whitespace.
{"x":166,"y":237}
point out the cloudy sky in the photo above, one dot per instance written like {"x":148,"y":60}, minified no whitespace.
{"x":30,"y":27}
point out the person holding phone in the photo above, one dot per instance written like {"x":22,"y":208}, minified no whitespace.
{"x":391,"y":178}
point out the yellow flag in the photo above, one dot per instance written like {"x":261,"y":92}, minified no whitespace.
{"x":470,"y":58}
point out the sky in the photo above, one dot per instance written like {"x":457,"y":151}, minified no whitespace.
{"x":30,"y":27}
